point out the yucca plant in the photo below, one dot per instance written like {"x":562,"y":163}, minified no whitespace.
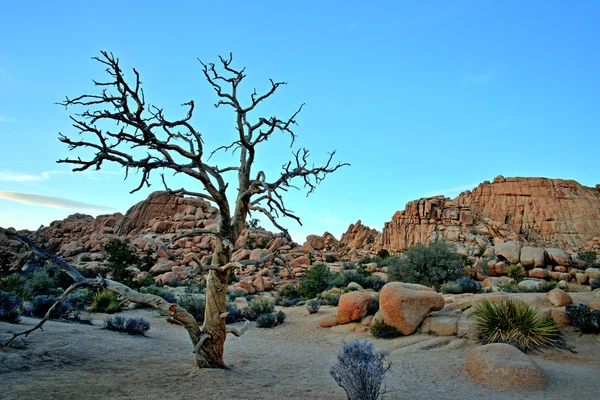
{"x":516,"y":272}
{"x":16,"y":284}
{"x":517,"y":324}
{"x":105,"y":301}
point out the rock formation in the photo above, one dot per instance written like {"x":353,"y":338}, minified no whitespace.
{"x":537,"y":211}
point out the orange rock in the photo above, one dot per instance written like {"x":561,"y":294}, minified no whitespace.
{"x":559,"y":298}
{"x":328,"y":321}
{"x":404,"y":306}
{"x":353,"y":306}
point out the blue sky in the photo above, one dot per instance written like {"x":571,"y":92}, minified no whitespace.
{"x":421,"y":97}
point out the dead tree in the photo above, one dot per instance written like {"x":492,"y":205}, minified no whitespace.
{"x":142,"y":138}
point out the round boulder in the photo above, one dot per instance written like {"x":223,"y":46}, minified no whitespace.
{"x":502,"y":366}
{"x":404,"y":305}
{"x":559,"y":298}
{"x":353,"y":306}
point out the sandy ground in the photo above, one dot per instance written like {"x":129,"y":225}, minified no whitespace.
{"x":74,"y":361}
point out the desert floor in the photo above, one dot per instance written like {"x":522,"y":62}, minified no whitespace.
{"x":75,"y":361}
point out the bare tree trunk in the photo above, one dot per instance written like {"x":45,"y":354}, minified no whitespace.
{"x":210,"y":353}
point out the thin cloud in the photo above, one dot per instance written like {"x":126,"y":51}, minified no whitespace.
{"x":452,"y":191}
{"x":10,"y":176}
{"x":7,"y":176}
{"x":48,"y":201}
{"x":4,"y":118}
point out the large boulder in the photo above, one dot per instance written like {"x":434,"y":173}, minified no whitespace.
{"x":503,"y":366}
{"x":316,"y":242}
{"x":404,"y":305}
{"x":509,"y":251}
{"x":533,"y":257}
{"x":495,"y":281}
{"x":559,"y":298}
{"x":162,"y":266}
{"x":353,"y":306}
{"x":558,"y":256}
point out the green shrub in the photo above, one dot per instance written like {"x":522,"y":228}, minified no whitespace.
{"x":332,"y":299}
{"x":234,"y":315}
{"x":147,"y":281}
{"x":516,"y":272}
{"x":130,"y":326}
{"x":105,"y":301}
{"x":315,"y":281}
{"x":11,"y":307}
{"x":589,"y":257}
{"x":430,"y":265}
{"x":119,"y":256}
{"x":290,"y":301}
{"x":262,"y":306}
{"x":383,"y":331}
{"x":159,"y":291}
{"x":147,"y":261}
{"x":517,"y":324}
{"x":250,"y":242}
{"x":16,"y":284}
{"x":461,"y":285}
{"x":313,"y":306}
{"x":270,"y":320}
{"x":374,"y":282}
{"x":289,"y":291}
{"x":353,"y":276}
{"x":509,"y":288}
{"x":195,"y":304}
{"x":6,"y":260}
{"x":383,"y":253}
{"x":40,"y":283}
{"x":583,"y":317}
{"x":81,"y":298}
{"x":39,"y":306}
{"x":234,"y":294}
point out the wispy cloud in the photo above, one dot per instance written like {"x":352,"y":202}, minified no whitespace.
{"x":8,"y":176}
{"x":48,"y":201}
{"x":11,"y":176}
{"x":4,"y":118}
{"x":477,"y":78}
{"x":451,"y":192}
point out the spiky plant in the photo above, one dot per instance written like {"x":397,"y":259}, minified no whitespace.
{"x":518,"y":324}
{"x":105,"y":301}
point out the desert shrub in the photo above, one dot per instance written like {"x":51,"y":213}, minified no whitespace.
{"x":595,"y":283}
{"x":289,"y":291}
{"x":463,"y":284}
{"x":234,"y":294}
{"x":582,"y":317}
{"x":451,"y":288}
{"x":39,"y":306}
{"x":330,"y":258}
{"x":147,"y":281}
{"x":509,"y":288}
{"x":6,"y":259}
{"x":234,"y":315}
{"x":147,"y":261}
{"x":119,"y":256}
{"x":383,"y":253}
{"x":80,"y":299}
{"x":336,"y":280}
{"x":374,"y":282}
{"x":430,"y":265}
{"x":195,"y":304}
{"x":373,"y":307}
{"x":315,"y":281}
{"x":195,"y":288}
{"x":85,"y":258}
{"x":250,"y":242}
{"x":589,"y":257}
{"x":368,"y":260}
{"x":517,"y":324}
{"x":313,"y":306}
{"x":130,"y":326}
{"x":332,"y":299}
{"x":159,"y":291}
{"x":290,"y":301}
{"x":262,"y":306}
{"x":270,"y":320}
{"x":16,"y":284}
{"x":40,"y":283}
{"x":516,"y":272}
{"x":353,"y":276}
{"x":383,"y":331}
{"x":105,"y":301}
{"x":346,"y":265}
{"x":360,"y":370}
{"x":11,"y":307}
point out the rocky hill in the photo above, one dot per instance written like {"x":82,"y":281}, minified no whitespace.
{"x":537,"y":211}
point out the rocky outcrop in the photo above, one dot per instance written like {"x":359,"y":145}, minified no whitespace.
{"x":537,"y":211}
{"x":503,"y":366}
{"x":359,"y":236}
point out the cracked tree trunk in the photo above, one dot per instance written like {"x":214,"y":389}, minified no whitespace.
{"x":210,"y":353}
